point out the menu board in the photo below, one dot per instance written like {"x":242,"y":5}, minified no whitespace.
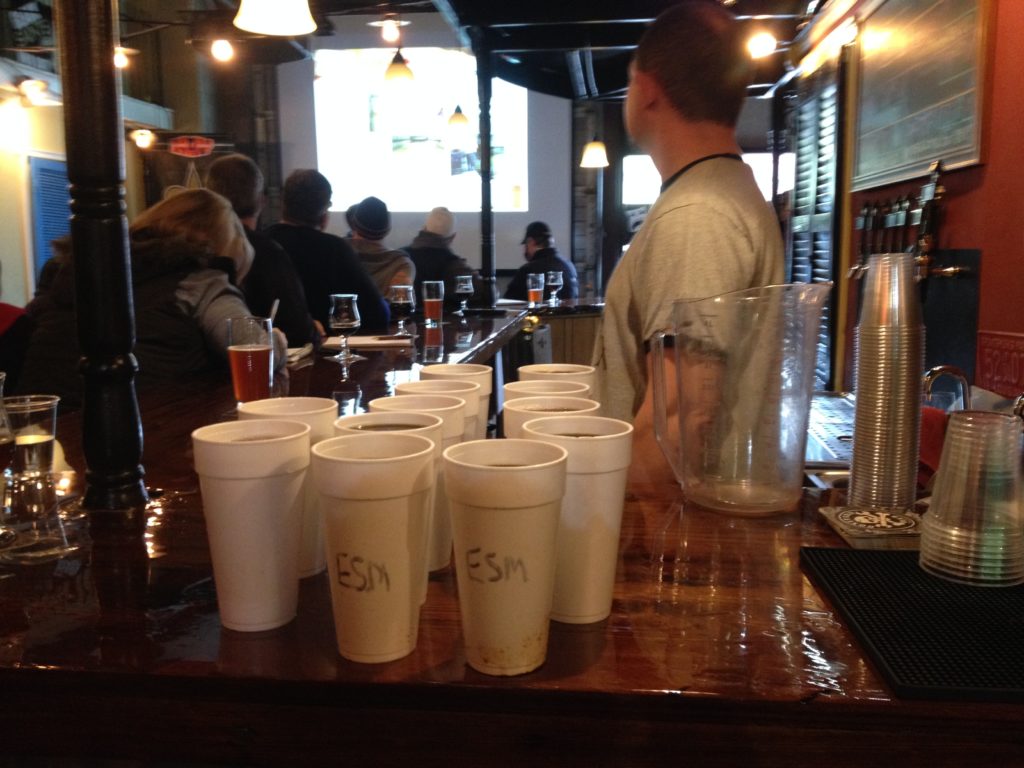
{"x":920,"y":86}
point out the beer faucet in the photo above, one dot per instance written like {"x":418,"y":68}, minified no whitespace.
{"x":949,"y":370}
{"x":928,"y":230}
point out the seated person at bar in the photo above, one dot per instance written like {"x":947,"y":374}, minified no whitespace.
{"x":370,"y":222}
{"x":326,"y":263}
{"x":187,"y":252}
{"x":15,"y":331}
{"x":541,"y":256}
{"x":710,"y":231}
{"x":272,"y":276}
{"x":431,"y":252}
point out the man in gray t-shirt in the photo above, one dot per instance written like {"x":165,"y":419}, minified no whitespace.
{"x":710,"y":231}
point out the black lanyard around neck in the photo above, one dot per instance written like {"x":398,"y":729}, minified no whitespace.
{"x":672,"y":179}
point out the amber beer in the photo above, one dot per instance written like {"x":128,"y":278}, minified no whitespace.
{"x":433,"y":296}
{"x":535,"y":288}
{"x":432,"y":311}
{"x":250,"y":371}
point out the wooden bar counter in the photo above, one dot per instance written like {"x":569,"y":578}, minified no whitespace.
{"x":719,"y":651}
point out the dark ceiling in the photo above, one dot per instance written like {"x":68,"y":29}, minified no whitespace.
{"x":575,"y":48}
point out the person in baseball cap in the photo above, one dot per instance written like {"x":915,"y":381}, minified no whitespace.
{"x":539,"y":231}
{"x":540,"y":254}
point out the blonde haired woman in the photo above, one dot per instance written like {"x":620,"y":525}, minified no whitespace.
{"x":187,"y":254}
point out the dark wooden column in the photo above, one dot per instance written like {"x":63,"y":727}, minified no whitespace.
{"x":484,"y":74}
{"x":111,"y":427}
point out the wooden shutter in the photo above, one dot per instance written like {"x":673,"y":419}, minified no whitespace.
{"x":813,"y":241}
{"x":50,"y":210}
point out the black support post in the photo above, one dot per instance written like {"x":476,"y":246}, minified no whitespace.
{"x":111,"y":426}
{"x":484,"y":74}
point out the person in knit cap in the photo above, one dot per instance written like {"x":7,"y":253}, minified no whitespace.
{"x":371,"y":222}
{"x":325,"y":262}
{"x":431,"y":252}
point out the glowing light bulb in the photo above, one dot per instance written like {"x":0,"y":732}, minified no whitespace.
{"x":761,"y":44}
{"x":143,"y":138}
{"x":120,"y":57}
{"x":222,"y":50}
{"x":389,"y":31}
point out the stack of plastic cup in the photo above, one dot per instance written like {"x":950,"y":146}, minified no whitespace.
{"x":889,"y":362}
{"x":973,"y":532}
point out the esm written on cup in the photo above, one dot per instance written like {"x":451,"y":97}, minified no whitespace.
{"x":505,"y":498}
{"x":375,"y":491}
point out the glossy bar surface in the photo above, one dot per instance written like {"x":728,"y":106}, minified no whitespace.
{"x":718,"y":651}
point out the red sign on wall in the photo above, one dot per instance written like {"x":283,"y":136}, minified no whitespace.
{"x":191,"y":146}
{"x":1000,"y":362}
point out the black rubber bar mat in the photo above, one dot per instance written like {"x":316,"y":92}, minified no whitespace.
{"x":930,"y":638}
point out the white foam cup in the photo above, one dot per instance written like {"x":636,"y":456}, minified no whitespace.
{"x":375,"y":491}
{"x":451,"y":409}
{"x":523,"y":409}
{"x":533,"y":387}
{"x":560,"y":372}
{"x":251,"y":475}
{"x":479,"y":374}
{"x":424,"y":424}
{"x":505,"y":499}
{"x":319,"y":413}
{"x":599,"y":451}
{"x":467,"y":390}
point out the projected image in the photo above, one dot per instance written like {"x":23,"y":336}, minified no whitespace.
{"x":641,"y":182}
{"x":395,"y":138}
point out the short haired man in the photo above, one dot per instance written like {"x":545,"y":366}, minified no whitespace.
{"x":370,"y":221}
{"x":431,"y":253}
{"x":710,"y":231}
{"x":326,"y":263}
{"x":272,"y":276}
{"x":541,"y":256}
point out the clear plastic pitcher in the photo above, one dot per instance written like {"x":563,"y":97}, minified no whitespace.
{"x":744,"y":374}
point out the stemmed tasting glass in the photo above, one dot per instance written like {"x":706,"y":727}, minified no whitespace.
{"x":464,"y":289}
{"x":402,"y":300}
{"x":344,"y":320}
{"x":554,"y":281}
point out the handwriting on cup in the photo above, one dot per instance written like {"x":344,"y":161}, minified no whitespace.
{"x":362,"y":575}
{"x":489,"y":567}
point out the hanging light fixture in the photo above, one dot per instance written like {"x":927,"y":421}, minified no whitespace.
{"x":458,"y":118}
{"x":33,"y":91}
{"x":398,"y":69}
{"x":594,"y":155}
{"x":222,"y":50}
{"x":280,"y":18}
{"x":761,"y":44}
{"x":143,"y":138}
{"x":121,"y":55}
{"x":390,"y":27}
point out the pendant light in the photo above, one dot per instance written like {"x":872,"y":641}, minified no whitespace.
{"x":390,"y":27}
{"x":594,"y":155}
{"x":121,"y":54}
{"x":143,"y":138}
{"x":280,"y":18}
{"x":458,"y":118}
{"x":398,"y":69}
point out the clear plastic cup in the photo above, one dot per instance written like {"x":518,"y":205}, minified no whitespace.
{"x":973,"y":531}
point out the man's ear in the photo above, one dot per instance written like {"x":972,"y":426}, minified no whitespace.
{"x":645,"y":89}
{"x":324,"y":220}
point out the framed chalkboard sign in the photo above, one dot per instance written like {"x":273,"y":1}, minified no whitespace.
{"x":920,"y":83}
